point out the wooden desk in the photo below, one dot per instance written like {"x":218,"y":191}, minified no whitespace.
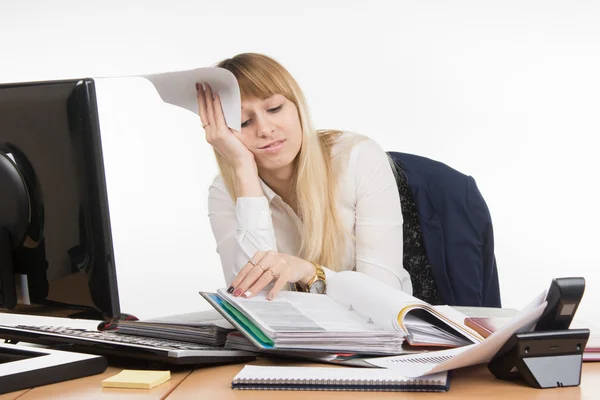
{"x":474,"y":382}
{"x":90,"y":388}
{"x":215,"y":383}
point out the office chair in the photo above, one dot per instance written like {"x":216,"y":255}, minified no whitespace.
{"x":448,"y":234}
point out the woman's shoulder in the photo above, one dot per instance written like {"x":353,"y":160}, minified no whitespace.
{"x":218,"y":188}
{"x":218,"y":183}
{"x":356,"y":146}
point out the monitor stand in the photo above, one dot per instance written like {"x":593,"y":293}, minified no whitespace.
{"x":92,"y":313}
{"x":8,"y":290}
{"x":86,"y":312}
{"x":69,"y":310}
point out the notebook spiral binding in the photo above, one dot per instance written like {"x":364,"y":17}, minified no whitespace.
{"x":334,"y":384}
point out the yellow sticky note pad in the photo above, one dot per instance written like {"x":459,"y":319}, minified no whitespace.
{"x":134,"y":379}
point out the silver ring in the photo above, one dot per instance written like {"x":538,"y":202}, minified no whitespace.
{"x":205,"y":125}
{"x":261,"y":267}
{"x":251,"y":261}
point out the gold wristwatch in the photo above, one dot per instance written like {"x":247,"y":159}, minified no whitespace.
{"x":317,"y":283}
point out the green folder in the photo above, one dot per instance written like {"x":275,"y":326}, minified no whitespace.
{"x":242,"y":321}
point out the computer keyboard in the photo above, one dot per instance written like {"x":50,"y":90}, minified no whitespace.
{"x":123,"y":345}
{"x":114,"y":337}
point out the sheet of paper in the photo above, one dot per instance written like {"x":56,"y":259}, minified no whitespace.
{"x":201,"y":318}
{"x":300,"y":312}
{"x":381,"y":309}
{"x":444,"y":360}
{"x":482,"y":312}
{"x":423,"y":332}
{"x":179,"y":88}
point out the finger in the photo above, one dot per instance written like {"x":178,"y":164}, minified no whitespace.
{"x":210,"y":114}
{"x":254,"y":275}
{"x":240,"y":277}
{"x":201,"y":103}
{"x":259,"y":255}
{"x":276,"y":266}
{"x":236,"y":133}
{"x":218,"y":109}
{"x":277,"y":286}
{"x":266,"y":278}
{"x":249,"y":273}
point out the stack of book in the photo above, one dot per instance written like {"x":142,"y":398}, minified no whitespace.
{"x":359,"y":314}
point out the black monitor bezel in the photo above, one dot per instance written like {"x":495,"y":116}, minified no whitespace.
{"x":82,"y":101}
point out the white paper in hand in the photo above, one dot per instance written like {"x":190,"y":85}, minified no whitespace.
{"x":179,"y":88}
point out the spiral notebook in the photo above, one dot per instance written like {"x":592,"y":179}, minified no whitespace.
{"x":253,"y":377}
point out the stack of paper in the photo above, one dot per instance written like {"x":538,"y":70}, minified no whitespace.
{"x":357,"y":314}
{"x":237,"y":341}
{"x":304,"y":322}
{"x":205,"y":327}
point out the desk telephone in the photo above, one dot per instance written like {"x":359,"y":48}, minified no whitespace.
{"x":552,"y":354}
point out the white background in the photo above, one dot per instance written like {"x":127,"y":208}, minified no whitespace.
{"x":508,"y":92}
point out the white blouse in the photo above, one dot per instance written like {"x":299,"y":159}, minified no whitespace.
{"x":369,"y":207}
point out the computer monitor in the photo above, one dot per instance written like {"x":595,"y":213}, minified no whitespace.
{"x":123,"y":170}
{"x":55,"y":236}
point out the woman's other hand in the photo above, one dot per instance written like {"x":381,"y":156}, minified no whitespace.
{"x":266,"y":267}
{"x":218,"y":134}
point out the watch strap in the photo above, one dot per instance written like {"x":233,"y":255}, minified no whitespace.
{"x":319,"y":275}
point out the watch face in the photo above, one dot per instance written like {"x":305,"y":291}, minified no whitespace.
{"x":317,"y":287}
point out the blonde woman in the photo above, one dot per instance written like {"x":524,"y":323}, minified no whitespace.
{"x":293,"y":204}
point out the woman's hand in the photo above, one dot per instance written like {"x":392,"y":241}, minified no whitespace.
{"x":218,"y":134}
{"x":269,"y":266}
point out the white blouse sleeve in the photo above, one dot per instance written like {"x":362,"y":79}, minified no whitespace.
{"x":240,"y":229}
{"x":379,"y":231}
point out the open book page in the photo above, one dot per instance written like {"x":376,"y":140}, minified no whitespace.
{"x":300,"y":312}
{"x":388,"y":307}
{"x":444,"y":360}
{"x":421,"y":331}
{"x":372,"y":299}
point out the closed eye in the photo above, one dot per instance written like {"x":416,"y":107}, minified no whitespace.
{"x":271,"y":110}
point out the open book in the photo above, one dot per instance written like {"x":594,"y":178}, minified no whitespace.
{"x":359,"y":314}
{"x":445,"y":360}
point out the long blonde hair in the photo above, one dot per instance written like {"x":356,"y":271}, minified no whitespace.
{"x":314,"y":183}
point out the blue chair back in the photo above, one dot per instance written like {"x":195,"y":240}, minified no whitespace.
{"x":456,"y":234}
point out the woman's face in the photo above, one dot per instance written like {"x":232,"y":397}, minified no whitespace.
{"x":271,"y":130}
